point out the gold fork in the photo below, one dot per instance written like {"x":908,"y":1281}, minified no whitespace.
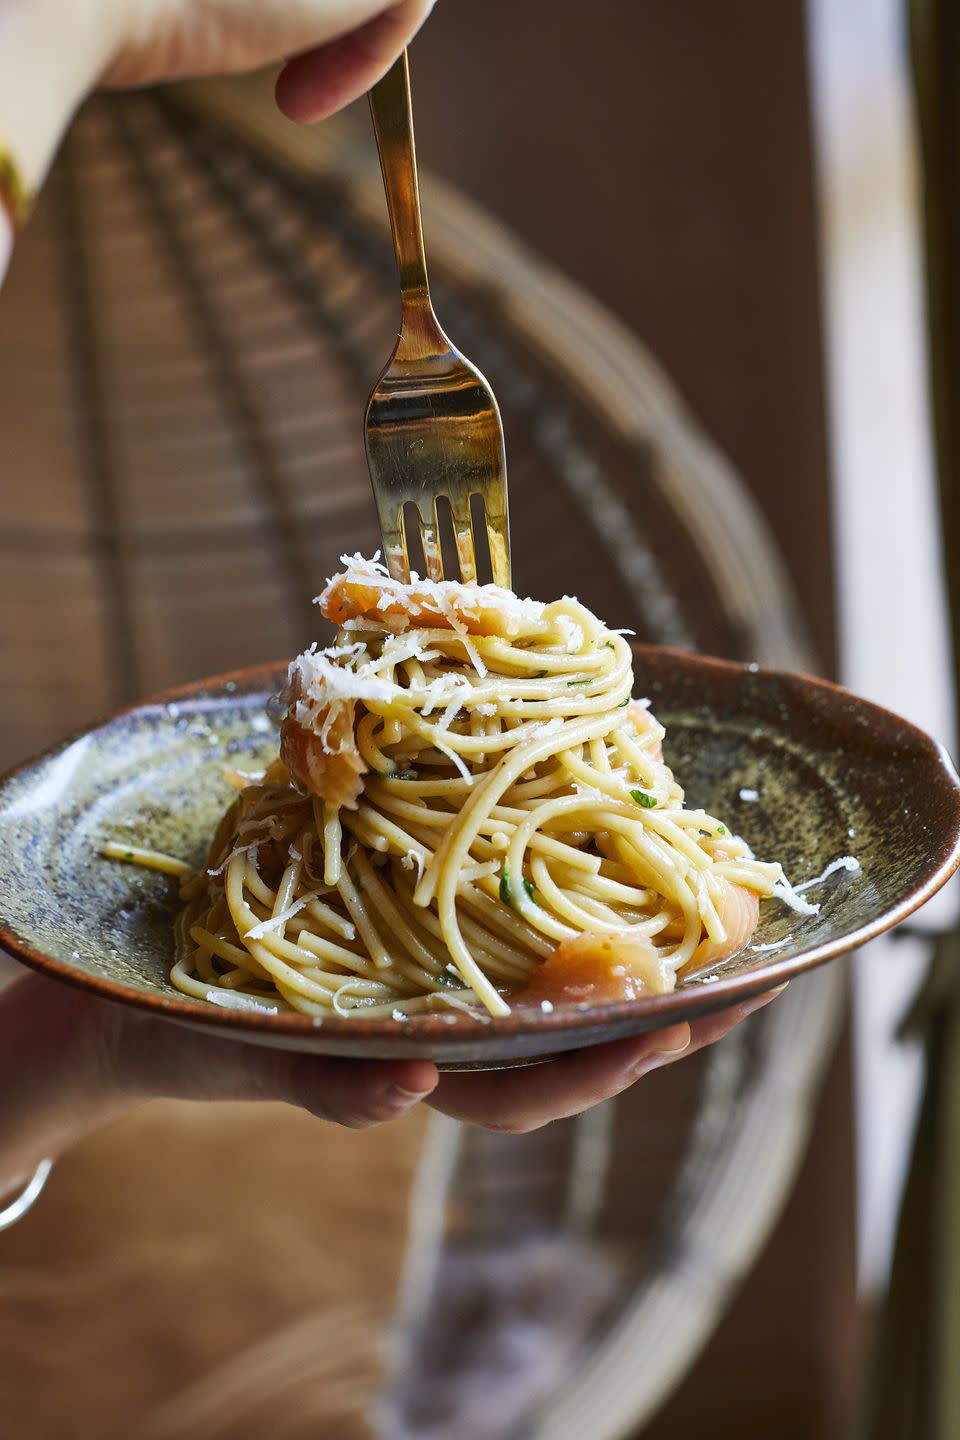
{"x":432,"y":427}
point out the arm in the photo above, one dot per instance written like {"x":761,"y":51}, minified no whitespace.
{"x":42,"y":80}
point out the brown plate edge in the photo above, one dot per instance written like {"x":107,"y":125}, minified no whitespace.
{"x":650,"y":1012}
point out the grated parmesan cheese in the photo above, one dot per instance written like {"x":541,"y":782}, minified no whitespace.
{"x":250,"y":851}
{"x":413,"y":860}
{"x":277,"y":922}
{"x":792,"y":895}
{"x":845,"y":862}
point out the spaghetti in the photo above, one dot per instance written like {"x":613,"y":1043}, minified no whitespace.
{"x":469,"y":809}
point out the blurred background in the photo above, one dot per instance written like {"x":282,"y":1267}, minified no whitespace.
{"x":686,"y":247}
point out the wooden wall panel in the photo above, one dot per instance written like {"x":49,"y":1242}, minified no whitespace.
{"x":659,"y":152}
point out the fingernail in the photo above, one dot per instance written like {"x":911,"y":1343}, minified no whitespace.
{"x":401,"y":1097}
{"x":758,"y":1001}
{"x":665,"y":1052}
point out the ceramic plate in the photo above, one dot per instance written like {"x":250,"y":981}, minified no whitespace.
{"x":806,"y":772}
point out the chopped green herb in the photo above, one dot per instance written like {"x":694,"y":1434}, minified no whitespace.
{"x":588,"y":681}
{"x":609,"y":644}
{"x":624,"y":702}
{"x":642,"y":798}
{"x":506,"y":890}
{"x":721,"y":829}
{"x":443,"y":978}
{"x":404,"y":775}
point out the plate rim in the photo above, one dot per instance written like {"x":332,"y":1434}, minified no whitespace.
{"x":456,"y":1029}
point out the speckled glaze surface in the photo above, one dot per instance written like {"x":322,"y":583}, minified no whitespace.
{"x":833,"y":775}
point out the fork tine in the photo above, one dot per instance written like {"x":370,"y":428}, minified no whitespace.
{"x":499,"y":542}
{"x":463,"y":534}
{"x":430,"y":535}
{"x":498,"y":539}
{"x":396,"y":556}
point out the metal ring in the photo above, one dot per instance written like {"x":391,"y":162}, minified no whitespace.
{"x":18,"y":1208}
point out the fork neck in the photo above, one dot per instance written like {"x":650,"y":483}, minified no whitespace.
{"x":392,"y":113}
{"x":420,"y":337}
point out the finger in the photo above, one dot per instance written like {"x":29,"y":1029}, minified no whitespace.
{"x":523,"y":1099}
{"x":710,"y":1028}
{"x":314,"y":85}
{"x":155,"y":1058}
{"x":518,"y":1101}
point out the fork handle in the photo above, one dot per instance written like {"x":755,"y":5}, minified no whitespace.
{"x":392,"y":114}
